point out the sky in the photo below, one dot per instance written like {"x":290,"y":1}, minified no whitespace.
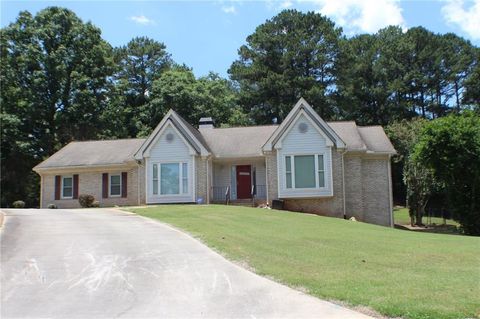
{"x":206,"y":35}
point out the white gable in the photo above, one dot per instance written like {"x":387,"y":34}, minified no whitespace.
{"x":303,"y":135}
{"x":170,"y":145}
{"x":303,"y":108}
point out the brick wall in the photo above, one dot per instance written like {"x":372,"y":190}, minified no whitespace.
{"x":367,"y":189}
{"x":91,"y":183}
{"x":326,"y":206}
{"x":201,"y":178}
{"x":271,"y":171}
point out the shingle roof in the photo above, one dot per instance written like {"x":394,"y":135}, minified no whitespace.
{"x":376,"y":139}
{"x":348,"y":132}
{"x":90,"y":153}
{"x":237,"y":141}
{"x":233,"y":142}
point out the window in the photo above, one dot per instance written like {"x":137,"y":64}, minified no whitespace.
{"x":173,"y":178}
{"x":169,"y":179}
{"x":155,"y":179}
{"x":288,"y":170}
{"x":115,"y":185}
{"x":184,"y":178}
{"x":321,"y":171}
{"x":304,"y":171}
{"x":67,"y":187}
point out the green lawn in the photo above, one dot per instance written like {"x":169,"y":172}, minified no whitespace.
{"x":395,"y":272}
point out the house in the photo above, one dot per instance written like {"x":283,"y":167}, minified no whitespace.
{"x":335,"y":169}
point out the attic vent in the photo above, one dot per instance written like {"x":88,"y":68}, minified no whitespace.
{"x":302,"y":127}
{"x":169,"y":137}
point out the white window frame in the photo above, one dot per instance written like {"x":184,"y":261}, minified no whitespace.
{"x":180,"y":176}
{"x":316,"y":171}
{"x":110,"y":185}
{"x":67,"y":197}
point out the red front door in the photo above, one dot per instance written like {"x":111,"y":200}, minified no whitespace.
{"x":244,"y":181}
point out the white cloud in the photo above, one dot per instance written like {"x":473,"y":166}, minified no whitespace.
{"x":362,"y":15}
{"x":286,"y":4}
{"x":468,"y":20}
{"x":143,"y":20}
{"x":229,"y":9}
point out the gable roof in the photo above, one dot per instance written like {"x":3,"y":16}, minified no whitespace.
{"x":92,"y":153}
{"x":237,"y":142}
{"x":191,"y":135}
{"x":303,"y":107}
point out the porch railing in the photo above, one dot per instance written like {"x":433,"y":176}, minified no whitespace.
{"x":220,"y":193}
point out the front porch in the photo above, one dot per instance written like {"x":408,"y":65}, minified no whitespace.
{"x":239,"y":181}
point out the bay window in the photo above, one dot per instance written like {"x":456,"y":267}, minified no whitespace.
{"x":170,"y":178}
{"x":304,"y":171}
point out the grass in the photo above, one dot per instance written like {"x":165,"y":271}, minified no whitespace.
{"x":397,"y":273}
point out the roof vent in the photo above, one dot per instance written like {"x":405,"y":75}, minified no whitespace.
{"x":206,"y":122}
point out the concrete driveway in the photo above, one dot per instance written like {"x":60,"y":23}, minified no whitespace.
{"x":106,"y":263}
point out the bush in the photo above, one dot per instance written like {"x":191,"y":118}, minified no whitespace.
{"x":96,"y":204}
{"x":52,"y":206}
{"x":18,"y":204}
{"x":86,"y":200}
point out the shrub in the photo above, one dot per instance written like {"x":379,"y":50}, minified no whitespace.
{"x":52,"y":206}
{"x":86,"y":200}
{"x":18,"y":204}
{"x":96,"y":204}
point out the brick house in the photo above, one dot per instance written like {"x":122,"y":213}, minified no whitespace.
{"x":336,"y":169}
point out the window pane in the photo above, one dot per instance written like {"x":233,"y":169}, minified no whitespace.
{"x":184,"y":178}
{"x":115,"y":179}
{"x":67,"y":182}
{"x":169,"y":179}
{"x":155,"y":179}
{"x":67,"y":192}
{"x":320,"y":163}
{"x":321,"y":179}
{"x":288,"y":169}
{"x":305,"y":171}
{"x":115,"y":190}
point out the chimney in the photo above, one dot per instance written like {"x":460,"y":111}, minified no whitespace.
{"x":206,"y":122}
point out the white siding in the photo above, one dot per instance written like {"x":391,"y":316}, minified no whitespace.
{"x":163,"y":151}
{"x":295,"y":142}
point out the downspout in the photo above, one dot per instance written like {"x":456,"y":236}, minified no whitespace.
{"x":267,"y":178}
{"x":138,"y":182}
{"x":208,"y":182}
{"x":390,"y":191}
{"x":343,"y":185}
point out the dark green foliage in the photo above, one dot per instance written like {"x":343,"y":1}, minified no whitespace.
{"x":54,"y":75}
{"x":139,"y":64}
{"x":86,"y":200}
{"x":450,"y":147}
{"x":290,"y":56}
{"x":18,"y":204}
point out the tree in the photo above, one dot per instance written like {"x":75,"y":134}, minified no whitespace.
{"x":55,"y":71}
{"x":192,"y":98}
{"x":450,"y":147}
{"x":139,"y":64}
{"x":290,"y":56}
{"x":412,"y":181}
